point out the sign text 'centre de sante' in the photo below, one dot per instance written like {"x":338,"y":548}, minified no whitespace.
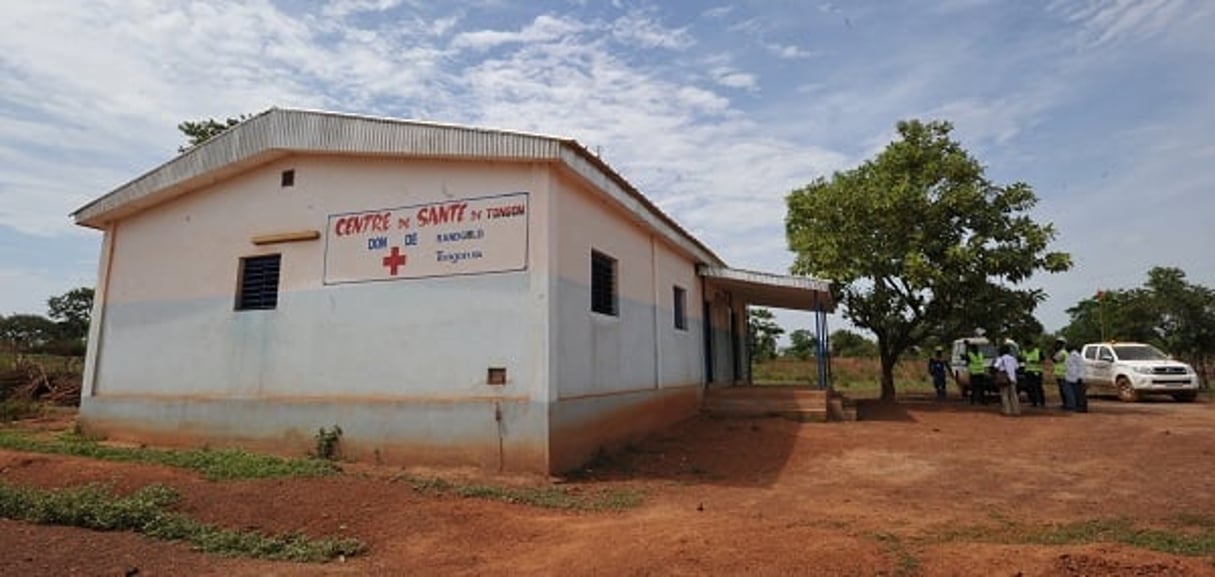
{"x":452,"y":237}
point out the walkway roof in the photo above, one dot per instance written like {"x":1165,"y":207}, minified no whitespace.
{"x":771,"y":290}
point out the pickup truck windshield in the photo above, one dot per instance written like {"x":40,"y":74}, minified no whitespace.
{"x":1139,"y":353}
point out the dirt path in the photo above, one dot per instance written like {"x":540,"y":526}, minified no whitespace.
{"x":916,"y":489}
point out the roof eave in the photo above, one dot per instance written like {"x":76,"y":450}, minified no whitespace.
{"x":278,"y":132}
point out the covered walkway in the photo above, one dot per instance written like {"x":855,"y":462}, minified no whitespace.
{"x":733,"y":290}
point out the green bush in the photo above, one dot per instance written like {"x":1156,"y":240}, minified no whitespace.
{"x":327,"y":443}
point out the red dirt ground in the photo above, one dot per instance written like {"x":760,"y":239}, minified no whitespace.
{"x":722,"y":497}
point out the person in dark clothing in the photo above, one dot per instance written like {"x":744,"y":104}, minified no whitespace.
{"x":937,"y":369}
{"x":1033,"y":377}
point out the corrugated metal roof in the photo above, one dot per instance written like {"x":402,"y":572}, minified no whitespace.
{"x":279,"y":131}
{"x":766,"y":289}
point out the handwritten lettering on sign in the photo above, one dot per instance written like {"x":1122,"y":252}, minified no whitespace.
{"x":455,"y":237}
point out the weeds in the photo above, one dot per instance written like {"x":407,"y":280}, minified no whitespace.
{"x":147,"y":512}
{"x":16,"y":409}
{"x":328,"y":442}
{"x":1191,"y":535}
{"x":214,"y":464}
{"x":546,"y":497}
{"x":858,"y":376}
{"x":906,"y":563}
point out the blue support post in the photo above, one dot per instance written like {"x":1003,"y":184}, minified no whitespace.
{"x":821,"y":352}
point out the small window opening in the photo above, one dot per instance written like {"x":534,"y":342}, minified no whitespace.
{"x":603,"y":284}
{"x":681,"y":308}
{"x":258,"y":286}
{"x":496,"y":376}
{"x":288,"y":178}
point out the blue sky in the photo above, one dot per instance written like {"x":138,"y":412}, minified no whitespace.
{"x":714,"y":110}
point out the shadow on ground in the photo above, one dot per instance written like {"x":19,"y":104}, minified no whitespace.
{"x":745,"y":452}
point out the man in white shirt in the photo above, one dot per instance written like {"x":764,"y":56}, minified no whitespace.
{"x":1006,"y":378}
{"x":1074,"y":379}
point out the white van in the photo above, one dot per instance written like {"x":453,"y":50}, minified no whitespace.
{"x":959,"y":365}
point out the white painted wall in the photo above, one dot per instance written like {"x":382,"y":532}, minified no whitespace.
{"x":640,"y":348}
{"x":170,"y":328}
{"x":399,"y":364}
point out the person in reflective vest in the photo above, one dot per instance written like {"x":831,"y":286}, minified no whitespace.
{"x":1060,"y":362}
{"x":976,"y":365}
{"x":1033,"y":377}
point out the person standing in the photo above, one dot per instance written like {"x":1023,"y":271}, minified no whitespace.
{"x":976,"y":365}
{"x":1059,"y":359}
{"x":1006,"y":379}
{"x":1033,"y":377}
{"x":937,"y":369}
{"x":1075,"y":380}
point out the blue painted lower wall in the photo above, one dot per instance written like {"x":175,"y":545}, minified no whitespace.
{"x":494,"y":435}
{"x":580,"y":427}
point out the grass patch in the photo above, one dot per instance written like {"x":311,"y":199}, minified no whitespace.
{"x":214,"y":464}
{"x":16,"y":409}
{"x":906,"y":564}
{"x":1190,"y":535}
{"x":859,"y":377}
{"x":546,"y":497}
{"x":50,"y":363}
{"x":147,"y":512}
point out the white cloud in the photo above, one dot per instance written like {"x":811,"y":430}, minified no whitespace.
{"x":731,"y":78}
{"x":343,"y":8}
{"x":544,"y":28}
{"x":133,"y":71}
{"x":644,"y":30}
{"x":1106,"y":21}
{"x":996,"y":119}
{"x":789,"y":51}
{"x":752,"y":26}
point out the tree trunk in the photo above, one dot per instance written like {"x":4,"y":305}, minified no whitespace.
{"x":888,"y":395}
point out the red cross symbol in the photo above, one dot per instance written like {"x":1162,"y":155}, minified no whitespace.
{"x":394,"y":260}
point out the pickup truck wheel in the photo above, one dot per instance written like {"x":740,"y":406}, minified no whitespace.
{"x":1187,"y":397}
{"x":1126,"y":393}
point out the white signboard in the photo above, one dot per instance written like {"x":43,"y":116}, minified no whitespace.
{"x":454,"y":237}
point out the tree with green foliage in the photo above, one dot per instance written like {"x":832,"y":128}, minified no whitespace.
{"x":803,"y":345}
{"x":918,"y":239}
{"x":845,"y":343}
{"x":200,"y":131}
{"x":762,"y":333}
{"x":1120,"y":315}
{"x":1185,"y":315}
{"x":25,"y":332}
{"x":71,"y":311}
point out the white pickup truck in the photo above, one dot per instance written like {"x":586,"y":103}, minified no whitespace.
{"x":1134,"y":369}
